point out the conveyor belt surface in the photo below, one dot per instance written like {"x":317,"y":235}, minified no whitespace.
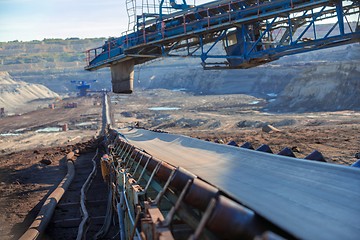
{"x":311,"y":200}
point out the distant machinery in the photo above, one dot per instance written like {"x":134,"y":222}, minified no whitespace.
{"x":83,"y":87}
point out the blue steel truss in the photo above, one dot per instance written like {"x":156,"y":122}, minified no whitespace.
{"x":249,"y":32}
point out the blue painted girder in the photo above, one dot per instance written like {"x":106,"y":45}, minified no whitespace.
{"x":157,"y":38}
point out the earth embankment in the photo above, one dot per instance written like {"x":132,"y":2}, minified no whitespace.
{"x":15,"y":95}
{"x":324,"y":87}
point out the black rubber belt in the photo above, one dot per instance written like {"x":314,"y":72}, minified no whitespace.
{"x":311,"y":200}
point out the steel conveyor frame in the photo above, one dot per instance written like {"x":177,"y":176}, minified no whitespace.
{"x":265,"y":31}
{"x":166,"y":198}
{"x":164,"y":201}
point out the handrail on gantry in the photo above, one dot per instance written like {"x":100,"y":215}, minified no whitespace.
{"x":201,"y":25}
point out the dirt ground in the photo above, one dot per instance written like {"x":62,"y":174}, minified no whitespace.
{"x":26,"y":177}
{"x":25,"y":181}
{"x":240,"y":118}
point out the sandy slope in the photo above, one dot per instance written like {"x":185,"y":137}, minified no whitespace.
{"x":14,"y":95}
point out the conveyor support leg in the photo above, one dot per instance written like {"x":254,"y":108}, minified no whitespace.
{"x":122,"y":77}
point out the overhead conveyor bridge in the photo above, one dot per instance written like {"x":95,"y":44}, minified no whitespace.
{"x":250,"y":33}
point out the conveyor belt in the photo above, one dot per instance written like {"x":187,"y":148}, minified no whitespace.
{"x":311,"y":200}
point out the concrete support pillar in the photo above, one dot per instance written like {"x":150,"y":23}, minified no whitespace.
{"x":122,"y":77}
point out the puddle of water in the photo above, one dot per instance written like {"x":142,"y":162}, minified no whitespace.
{"x":20,"y":130}
{"x":272,"y":94}
{"x":272,"y":100}
{"x":9,"y":134}
{"x":267,"y":113}
{"x":49,"y":129}
{"x":254,"y":102}
{"x":164,"y":108}
{"x":179,"y":89}
{"x":85,"y":124}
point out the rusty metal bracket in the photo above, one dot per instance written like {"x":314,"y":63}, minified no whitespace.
{"x":150,"y":179}
{"x":143,"y":170}
{"x":204,"y":219}
{"x":137,"y":166}
{"x":116,"y":148}
{"x":138,"y":211}
{"x":173,"y":210}
{"x":163,"y":190}
{"x":132,"y":160}
{"x":128,"y":153}
{"x":120,"y":147}
{"x":123,"y":150}
{"x":127,"y":206}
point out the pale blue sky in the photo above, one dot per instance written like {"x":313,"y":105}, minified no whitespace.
{"x":26,"y":20}
{"x":38,"y":19}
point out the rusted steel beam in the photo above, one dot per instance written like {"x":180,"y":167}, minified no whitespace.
{"x":151,"y":224}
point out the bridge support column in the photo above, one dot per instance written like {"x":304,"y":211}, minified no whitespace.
{"x":122,"y":77}
{"x":340,"y":16}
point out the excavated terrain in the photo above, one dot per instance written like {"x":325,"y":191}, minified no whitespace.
{"x":26,"y":180}
{"x":32,"y":160}
{"x":317,"y":110}
{"x":241,"y":118}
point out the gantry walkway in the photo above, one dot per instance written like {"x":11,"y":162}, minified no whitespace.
{"x":251,"y":32}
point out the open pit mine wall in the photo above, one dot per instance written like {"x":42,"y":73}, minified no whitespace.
{"x":260,"y":80}
{"x":326,"y":86}
{"x":313,"y":86}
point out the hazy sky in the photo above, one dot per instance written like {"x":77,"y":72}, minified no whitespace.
{"x":38,"y":19}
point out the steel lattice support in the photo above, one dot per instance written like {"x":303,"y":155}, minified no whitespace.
{"x":251,"y":32}
{"x":157,"y":200}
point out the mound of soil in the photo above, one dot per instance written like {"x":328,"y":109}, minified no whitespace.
{"x":16,"y":94}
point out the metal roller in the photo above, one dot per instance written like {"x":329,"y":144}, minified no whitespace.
{"x":181,"y":177}
{"x":200,"y":194}
{"x":164,"y":172}
{"x":229,"y":220}
{"x":153,"y":163}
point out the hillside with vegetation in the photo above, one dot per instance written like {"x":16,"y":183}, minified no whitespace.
{"x":51,"y":62}
{"x":287,"y":84}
